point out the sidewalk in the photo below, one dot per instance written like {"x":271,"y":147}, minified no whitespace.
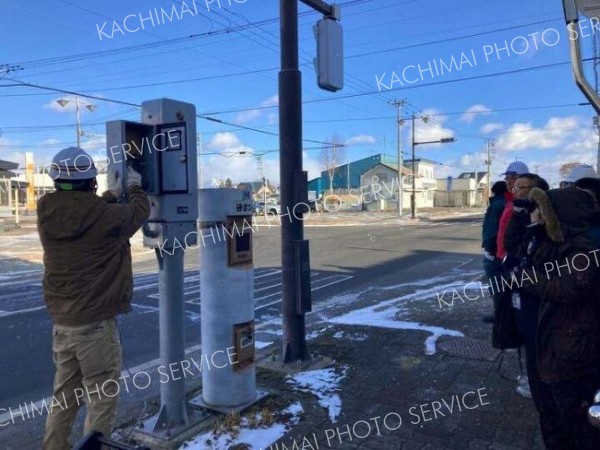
{"x":399,"y":355}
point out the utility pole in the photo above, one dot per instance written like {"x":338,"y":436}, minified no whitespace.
{"x":90,"y":107}
{"x":488,"y":162}
{"x":413,"y":199}
{"x":259,"y":163}
{"x":199,"y":146}
{"x":295,"y":261}
{"x":398,"y":104}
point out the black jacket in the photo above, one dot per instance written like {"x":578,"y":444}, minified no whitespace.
{"x":568,"y":330}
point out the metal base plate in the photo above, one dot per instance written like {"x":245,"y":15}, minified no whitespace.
{"x":172,"y":438}
{"x":275,"y":364}
{"x":198,"y":402}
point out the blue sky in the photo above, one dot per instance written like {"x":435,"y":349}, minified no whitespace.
{"x":525,"y":96}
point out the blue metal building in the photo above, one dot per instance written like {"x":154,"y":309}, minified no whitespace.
{"x":348,"y":175}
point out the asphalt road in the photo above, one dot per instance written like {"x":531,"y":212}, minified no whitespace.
{"x":343,"y":259}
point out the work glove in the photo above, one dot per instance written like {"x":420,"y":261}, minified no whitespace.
{"x":113,"y":181}
{"x":133,"y":178}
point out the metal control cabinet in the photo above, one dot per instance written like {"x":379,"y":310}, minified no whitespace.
{"x":163,"y":149}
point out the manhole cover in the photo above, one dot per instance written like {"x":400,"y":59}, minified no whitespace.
{"x":468,"y":348}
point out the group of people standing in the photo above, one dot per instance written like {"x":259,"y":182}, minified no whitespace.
{"x":554,"y":315}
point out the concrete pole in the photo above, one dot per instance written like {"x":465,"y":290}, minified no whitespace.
{"x":477,"y":186}
{"x":398,"y":104}
{"x":413,"y":199}
{"x":9,"y":194}
{"x":78,"y":125}
{"x":173,"y":411}
{"x":489,"y":168}
{"x":17,"y":205}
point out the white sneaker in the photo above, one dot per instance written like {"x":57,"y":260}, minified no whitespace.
{"x":524,"y":391}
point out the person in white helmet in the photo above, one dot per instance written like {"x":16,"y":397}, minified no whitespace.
{"x":87,"y":282}
{"x":577,"y":173}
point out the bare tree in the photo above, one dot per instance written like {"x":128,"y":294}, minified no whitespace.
{"x":332,"y":156}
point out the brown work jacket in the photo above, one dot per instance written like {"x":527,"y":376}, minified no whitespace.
{"x":87,"y":258}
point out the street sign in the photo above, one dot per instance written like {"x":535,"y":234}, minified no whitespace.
{"x":449,"y":184}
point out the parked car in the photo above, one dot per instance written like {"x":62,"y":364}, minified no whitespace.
{"x":259,"y":208}
{"x":274,"y":208}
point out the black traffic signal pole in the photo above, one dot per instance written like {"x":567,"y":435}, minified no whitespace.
{"x":295,"y":262}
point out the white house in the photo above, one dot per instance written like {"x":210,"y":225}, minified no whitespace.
{"x":469,"y":189}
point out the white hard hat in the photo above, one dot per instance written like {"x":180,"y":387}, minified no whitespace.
{"x":581,"y":171}
{"x":72,"y":164}
{"x":517,"y":167}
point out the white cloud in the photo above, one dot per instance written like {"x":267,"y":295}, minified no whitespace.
{"x":361,"y":139}
{"x":311,"y":165}
{"x":473,"y":111}
{"x":490,"y":127}
{"x":223,"y":141}
{"x":524,"y":136}
{"x":93,"y":143}
{"x":434,"y":128}
{"x":247,"y":116}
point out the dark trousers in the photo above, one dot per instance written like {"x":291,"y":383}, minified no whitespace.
{"x":493,"y":270}
{"x":562,"y":406}
{"x":553,"y":432}
{"x":563,"y":413}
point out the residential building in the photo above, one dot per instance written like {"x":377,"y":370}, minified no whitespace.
{"x":258,"y":190}
{"x":469,"y":189}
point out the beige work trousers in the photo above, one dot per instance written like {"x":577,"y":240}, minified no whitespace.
{"x":88,"y":367}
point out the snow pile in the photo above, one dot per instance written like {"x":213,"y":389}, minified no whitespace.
{"x":324,"y":384}
{"x":251,"y":433}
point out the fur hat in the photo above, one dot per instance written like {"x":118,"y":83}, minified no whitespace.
{"x":566,"y":212}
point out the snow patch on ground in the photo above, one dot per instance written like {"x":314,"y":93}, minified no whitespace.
{"x":351,"y":336}
{"x":260,"y":437}
{"x":384,"y":314}
{"x":260,"y":344}
{"x":324,"y":384}
{"x":375,"y":316}
{"x":316,"y":333}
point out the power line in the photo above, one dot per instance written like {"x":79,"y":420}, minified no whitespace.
{"x":241,"y":27}
{"x":200,"y":116}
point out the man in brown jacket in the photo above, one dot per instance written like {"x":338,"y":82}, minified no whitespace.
{"x":88,"y":280}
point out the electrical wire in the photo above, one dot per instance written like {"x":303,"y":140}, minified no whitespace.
{"x":200,"y":116}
